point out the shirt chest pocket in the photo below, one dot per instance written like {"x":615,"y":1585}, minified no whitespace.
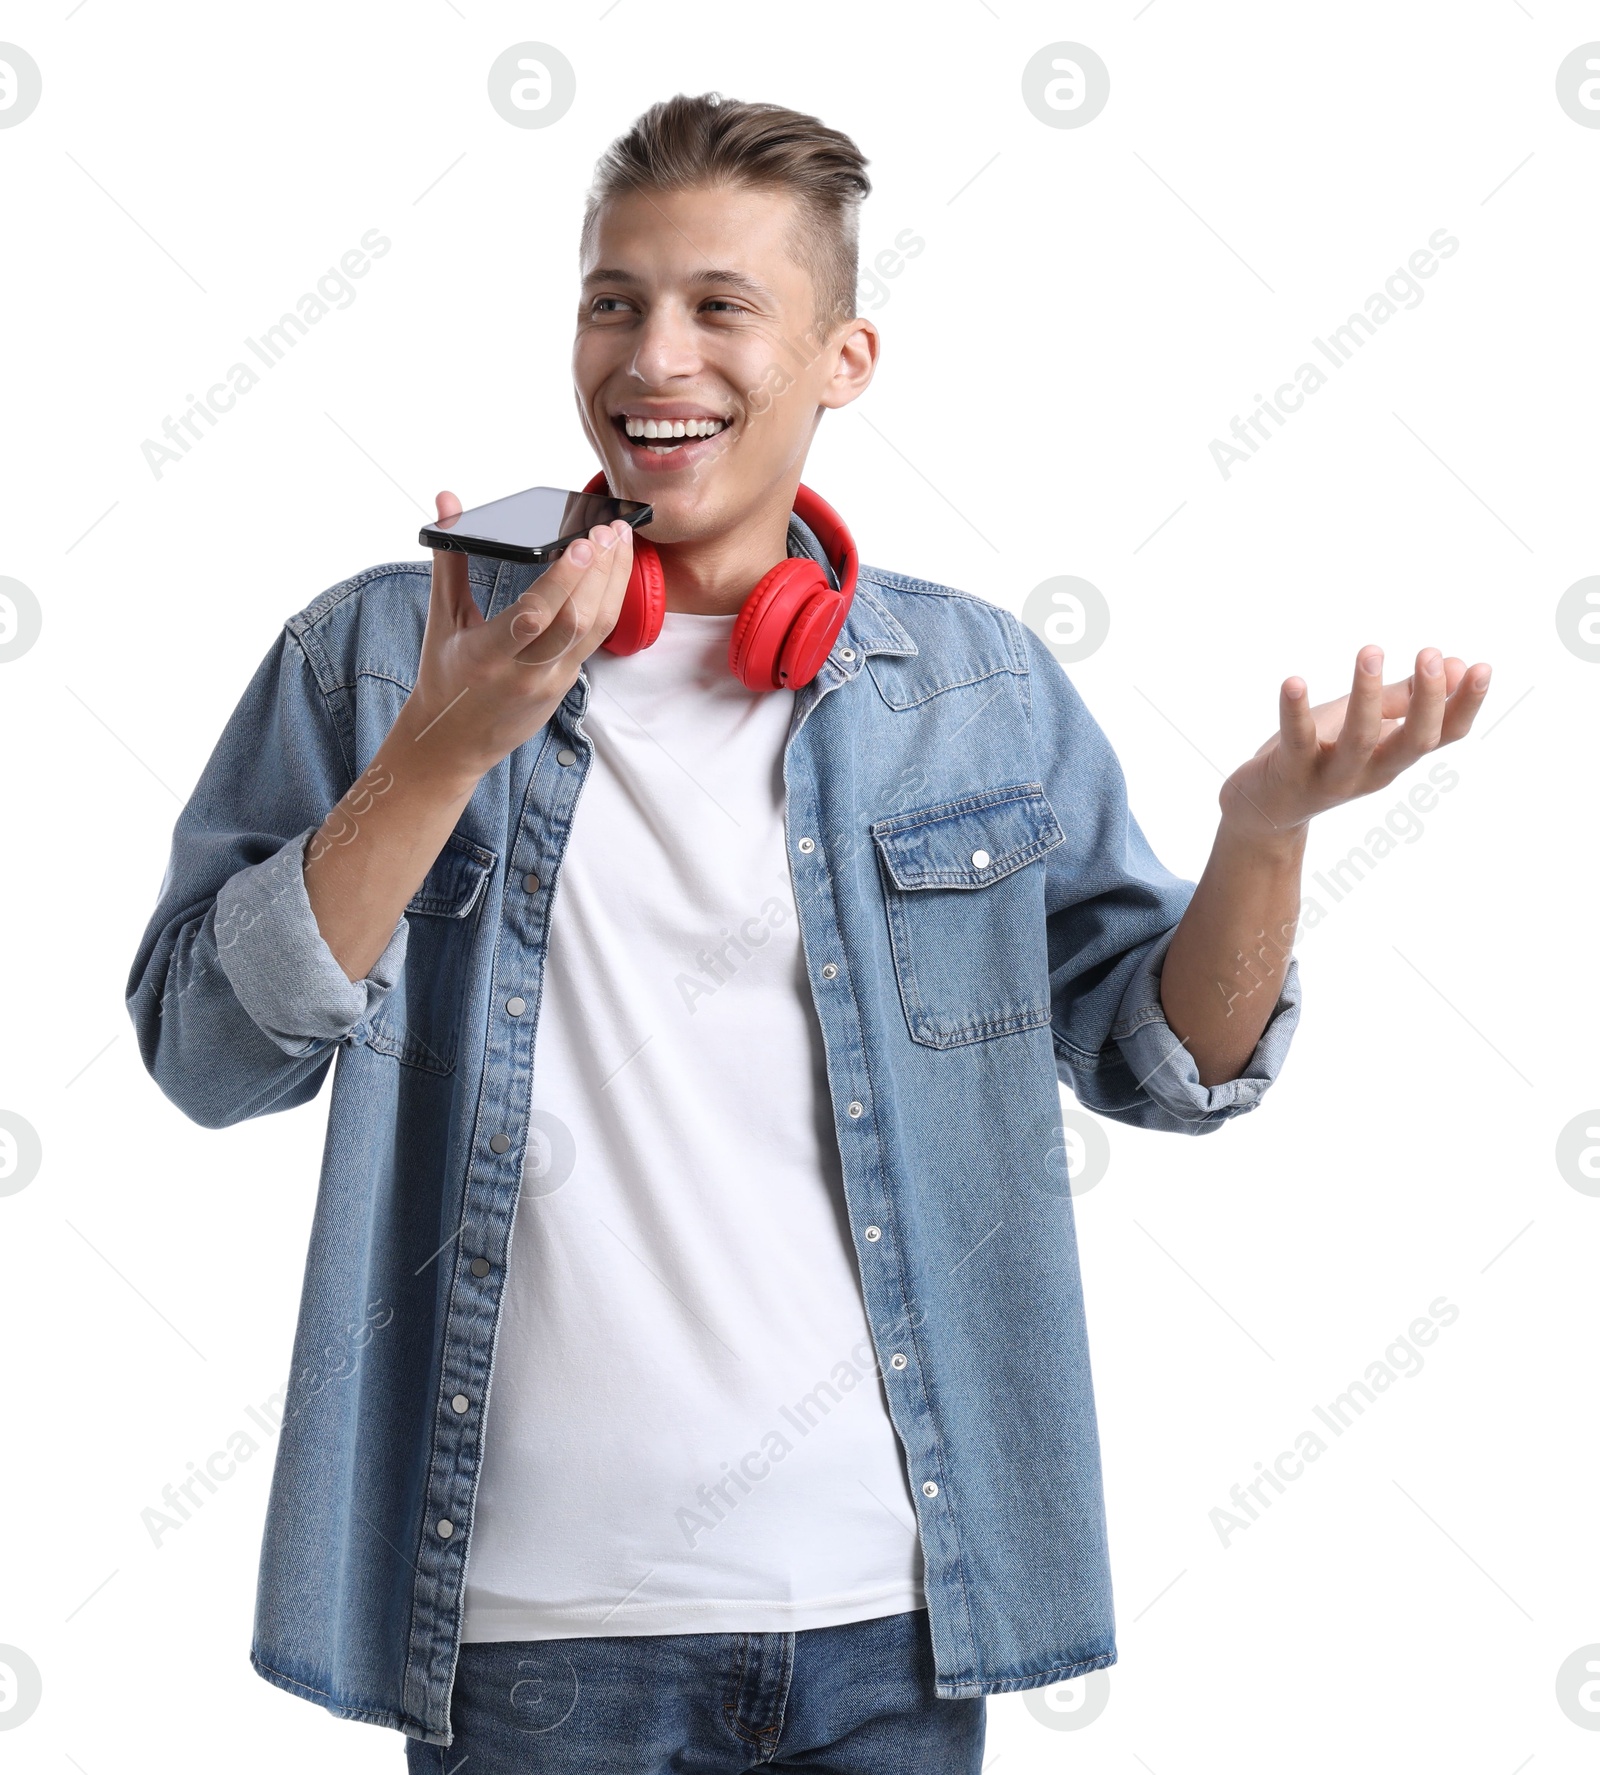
{"x":420,"y":1020}
{"x":966,"y":913}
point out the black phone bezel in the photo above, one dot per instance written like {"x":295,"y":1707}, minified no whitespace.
{"x":432,"y":537}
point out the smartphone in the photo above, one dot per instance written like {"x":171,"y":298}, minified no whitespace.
{"x":534,"y":525}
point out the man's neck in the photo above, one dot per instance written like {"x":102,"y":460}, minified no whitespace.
{"x":713,"y":577}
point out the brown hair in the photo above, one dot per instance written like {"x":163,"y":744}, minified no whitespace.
{"x":682,"y":142}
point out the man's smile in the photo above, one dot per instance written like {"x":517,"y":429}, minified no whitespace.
{"x":669,"y":436}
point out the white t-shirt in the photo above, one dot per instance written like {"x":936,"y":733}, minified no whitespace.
{"x":686,"y":1431}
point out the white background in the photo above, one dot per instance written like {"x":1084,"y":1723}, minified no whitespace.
{"x":1092,"y":307}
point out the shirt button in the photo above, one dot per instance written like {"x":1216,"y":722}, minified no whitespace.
{"x":929,"y":1489}
{"x":829,"y":970}
{"x":500,"y":1143}
{"x":531,"y":883}
{"x":460,"y":1403}
{"x":808,"y":845}
{"x":480,"y":1266}
{"x":873,"y":1234}
{"x":897,"y":1360}
{"x":980,"y":859}
{"x":566,"y":756}
{"x":446,"y":1528}
{"x":855,"y":1109}
{"x":516,"y":1006}
{"x":847,"y":653}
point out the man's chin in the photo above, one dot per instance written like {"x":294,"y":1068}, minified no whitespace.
{"x":684,"y":513}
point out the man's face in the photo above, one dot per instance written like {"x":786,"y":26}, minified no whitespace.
{"x":696,"y":313}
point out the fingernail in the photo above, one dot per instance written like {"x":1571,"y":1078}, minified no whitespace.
{"x":1432,"y":664}
{"x":582,"y":552}
{"x":1372,"y":662}
{"x":1482,"y":679}
{"x":607,"y":537}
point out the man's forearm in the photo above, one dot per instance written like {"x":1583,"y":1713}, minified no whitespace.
{"x":373,"y":850}
{"x":1225,"y":965}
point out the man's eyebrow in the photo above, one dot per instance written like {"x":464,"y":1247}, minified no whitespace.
{"x":728,"y":279}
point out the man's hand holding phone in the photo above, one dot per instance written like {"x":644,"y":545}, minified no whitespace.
{"x":483,"y":687}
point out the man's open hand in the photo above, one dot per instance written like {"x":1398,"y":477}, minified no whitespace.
{"x":1338,"y":751}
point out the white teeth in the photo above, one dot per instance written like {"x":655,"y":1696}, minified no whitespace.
{"x":672,"y":428}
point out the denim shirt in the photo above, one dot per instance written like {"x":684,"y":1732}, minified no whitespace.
{"x":981,"y":917}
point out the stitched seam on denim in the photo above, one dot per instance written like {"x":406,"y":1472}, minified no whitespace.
{"x":759,"y":1736}
{"x":325,"y":603}
{"x":1150,"y":1014}
{"x":409,"y":1049}
{"x":885,"y":1172}
{"x":905,"y":582}
{"x":1006,"y":1685}
{"x":931,"y":691}
{"x":309,"y":656}
{"x":964,"y":804}
{"x":965,"y":1034}
{"x":382,"y":677}
{"x":447,"y":1632}
{"x":974,"y":880}
{"x":370,"y":1711}
{"x":959,"y":1561}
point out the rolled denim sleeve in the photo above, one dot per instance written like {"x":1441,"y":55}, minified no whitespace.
{"x":236,"y":1000}
{"x":1165,"y":1069}
{"x":1111,"y":908}
{"x":279,"y":965}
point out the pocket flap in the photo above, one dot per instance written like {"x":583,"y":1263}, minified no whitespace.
{"x":451,"y":887}
{"x":970,"y":842}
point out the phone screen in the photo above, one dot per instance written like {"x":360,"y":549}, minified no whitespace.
{"x":536,"y":523}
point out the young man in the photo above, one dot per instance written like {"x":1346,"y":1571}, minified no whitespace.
{"x":698,"y":1053}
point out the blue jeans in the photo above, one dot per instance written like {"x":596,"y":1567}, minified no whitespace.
{"x":851,"y":1700}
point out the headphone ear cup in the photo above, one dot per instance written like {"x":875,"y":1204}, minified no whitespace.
{"x":811,"y":637}
{"x":758,"y":648}
{"x":644,"y":603}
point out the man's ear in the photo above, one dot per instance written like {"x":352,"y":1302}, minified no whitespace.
{"x":855,"y":358}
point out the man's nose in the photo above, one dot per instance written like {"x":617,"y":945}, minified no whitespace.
{"x":667,"y":347}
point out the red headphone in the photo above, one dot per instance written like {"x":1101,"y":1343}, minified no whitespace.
{"x":786,"y":625}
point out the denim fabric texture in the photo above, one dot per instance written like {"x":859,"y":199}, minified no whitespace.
{"x":963,"y":855}
{"x":851,"y":1700}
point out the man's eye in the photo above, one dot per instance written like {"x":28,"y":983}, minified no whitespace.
{"x":603,"y":304}
{"x":722,"y":302}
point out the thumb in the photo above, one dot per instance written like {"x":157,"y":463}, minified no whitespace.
{"x":450,"y":596}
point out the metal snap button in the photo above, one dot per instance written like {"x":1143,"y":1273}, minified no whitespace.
{"x":531,"y":883}
{"x":829,"y":971}
{"x":480,"y":1266}
{"x":500,"y":1143}
{"x":460,"y":1403}
{"x":808,"y":845}
{"x":516,"y":1006}
{"x":446,"y":1528}
{"x":873,"y":1234}
{"x":897,"y":1360}
{"x":855,"y":1109}
{"x":847,"y":653}
{"x":929,"y":1489}
{"x":980,"y":859}
{"x":565,"y":756}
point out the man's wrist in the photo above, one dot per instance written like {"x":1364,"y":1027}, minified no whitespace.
{"x":419,"y":753}
{"x":1253,"y":839}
